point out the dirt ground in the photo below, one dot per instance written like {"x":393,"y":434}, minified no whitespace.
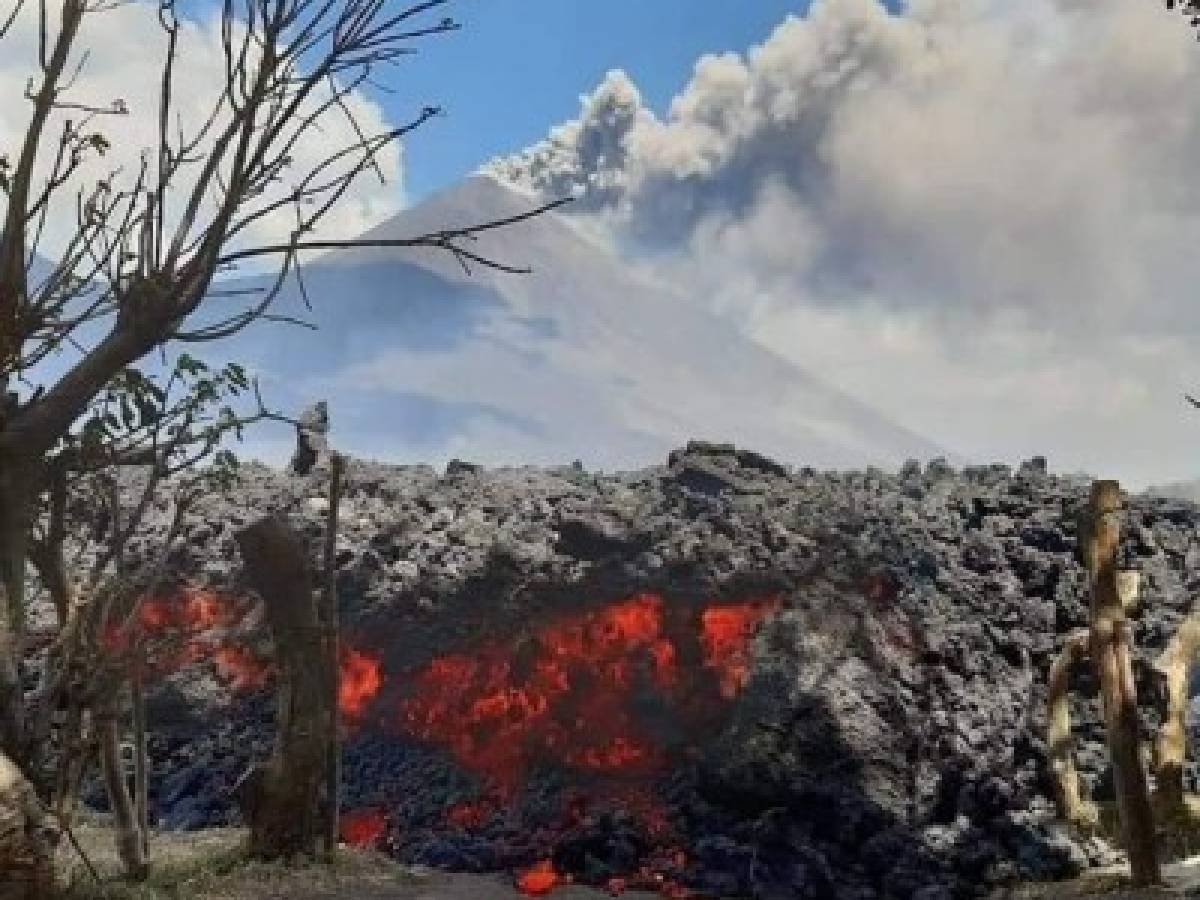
{"x":205,"y":866}
{"x":1180,"y":879}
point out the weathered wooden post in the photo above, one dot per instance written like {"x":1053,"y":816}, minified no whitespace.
{"x":283,"y":812}
{"x":1174,"y":665}
{"x":1110,"y":651}
{"x":333,"y":760}
{"x":1071,"y":805}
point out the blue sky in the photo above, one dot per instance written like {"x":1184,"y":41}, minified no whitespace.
{"x":518,"y":66}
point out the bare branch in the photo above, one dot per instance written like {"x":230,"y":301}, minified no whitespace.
{"x":443,"y":240}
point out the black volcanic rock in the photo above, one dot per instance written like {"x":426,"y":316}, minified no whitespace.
{"x":890,"y":737}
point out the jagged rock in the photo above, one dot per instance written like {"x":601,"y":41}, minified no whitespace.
{"x":312,"y":438}
{"x":701,"y":448}
{"x":748,"y":459}
{"x":1035,"y":465}
{"x":704,"y":477}
{"x":458,"y":467}
{"x":594,"y":535}
{"x":921,"y":703}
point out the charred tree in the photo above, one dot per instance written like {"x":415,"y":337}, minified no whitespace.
{"x":283,"y":805}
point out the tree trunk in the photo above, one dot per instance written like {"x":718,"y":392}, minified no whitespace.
{"x":1110,"y":650}
{"x":130,"y":844}
{"x":77,"y":742}
{"x":14,"y":506}
{"x":283,"y":814}
{"x":333,"y":753}
{"x":140,"y":782}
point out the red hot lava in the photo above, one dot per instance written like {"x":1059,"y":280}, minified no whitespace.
{"x":575,"y":691}
{"x":192,"y":625}
{"x":725,"y":634}
{"x":177,"y":629}
{"x":190,"y":611}
{"x":241,"y":668}
{"x":539,"y":879}
{"x":362,"y":828}
{"x":359,"y":679}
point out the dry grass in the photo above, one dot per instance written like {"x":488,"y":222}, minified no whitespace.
{"x":210,"y":865}
{"x":1178,"y":842}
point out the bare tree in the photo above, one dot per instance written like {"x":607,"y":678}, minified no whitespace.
{"x":145,"y":246}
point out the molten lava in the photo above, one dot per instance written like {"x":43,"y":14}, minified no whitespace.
{"x":192,"y":625}
{"x":171,"y":631}
{"x":362,"y":827}
{"x":191,"y":611}
{"x":725,"y":635}
{"x":359,"y":680}
{"x":241,"y":668}
{"x":590,"y":691}
{"x":540,"y":879}
{"x":562,"y":695}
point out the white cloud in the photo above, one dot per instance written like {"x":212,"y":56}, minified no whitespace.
{"x":977,"y":214}
{"x":125,"y":48}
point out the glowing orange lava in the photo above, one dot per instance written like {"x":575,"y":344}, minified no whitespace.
{"x":170,"y":631}
{"x":359,"y":680}
{"x":563,"y":694}
{"x":725,"y":636}
{"x":241,"y":668}
{"x":539,"y":879}
{"x":362,"y":827}
{"x":192,"y":610}
{"x":587,"y":691}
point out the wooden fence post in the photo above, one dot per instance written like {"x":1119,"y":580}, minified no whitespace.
{"x":1071,"y":805}
{"x":333,"y":761}
{"x":1174,"y":665}
{"x":283,"y":809}
{"x":1110,"y":636}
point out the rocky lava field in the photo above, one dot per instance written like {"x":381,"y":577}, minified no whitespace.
{"x":718,"y":677}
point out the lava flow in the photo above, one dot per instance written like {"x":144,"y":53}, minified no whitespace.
{"x":362,"y":827}
{"x":360,"y":677}
{"x":539,"y":879}
{"x":193,"y":625}
{"x":178,"y":629}
{"x":589,"y":692}
{"x":241,"y":668}
{"x":725,"y":635}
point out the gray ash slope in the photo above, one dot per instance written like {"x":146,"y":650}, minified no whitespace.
{"x":585,"y":357}
{"x":890,"y":741}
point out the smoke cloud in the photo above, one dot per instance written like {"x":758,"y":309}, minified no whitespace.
{"x":978,"y":215}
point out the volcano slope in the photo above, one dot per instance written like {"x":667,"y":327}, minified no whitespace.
{"x":719,"y":674}
{"x":586,"y":356}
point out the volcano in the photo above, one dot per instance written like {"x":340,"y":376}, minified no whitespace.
{"x":584,"y":358}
